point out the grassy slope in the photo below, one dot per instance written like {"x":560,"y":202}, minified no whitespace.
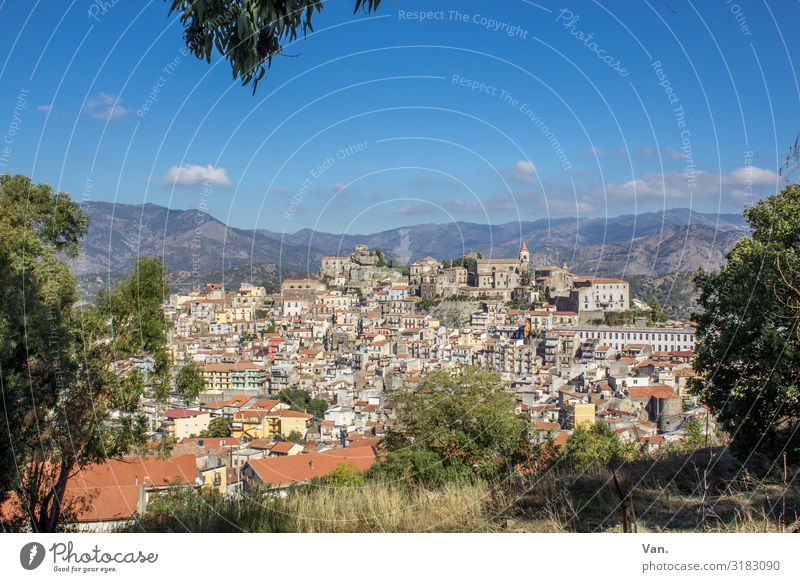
{"x":668,"y":495}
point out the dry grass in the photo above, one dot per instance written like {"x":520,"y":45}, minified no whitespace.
{"x":390,"y":508}
{"x":705,"y":490}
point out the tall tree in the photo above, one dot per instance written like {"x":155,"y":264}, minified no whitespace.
{"x":748,"y":354}
{"x":189,"y":381}
{"x":72,"y":378}
{"x":657,"y":314}
{"x":248,"y":33}
{"x":37,"y":292}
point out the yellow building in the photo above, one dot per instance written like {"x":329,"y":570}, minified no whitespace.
{"x":579,"y":413}
{"x":285,"y":422}
{"x":266,"y":424}
{"x":215,"y":478}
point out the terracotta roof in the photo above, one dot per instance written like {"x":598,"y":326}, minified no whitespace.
{"x":109,"y":491}
{"x":641,"y":392}
{"x":261,"y":444}
{"x":265,"y":404}
{"x":283,"y":447}
{"x":546,"y":426}
{"x":212,"y":443}
{"x":281,"y":471}
{"x":364,"y":442}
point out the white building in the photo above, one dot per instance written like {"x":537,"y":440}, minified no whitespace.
{"x":660,"y":339}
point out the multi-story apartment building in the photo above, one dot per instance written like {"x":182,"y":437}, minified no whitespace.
{"x":659,"y":339}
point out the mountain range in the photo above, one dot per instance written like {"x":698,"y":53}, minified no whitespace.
{"x":196,"y":245}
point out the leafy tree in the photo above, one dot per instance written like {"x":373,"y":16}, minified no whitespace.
{"x":300,"y":400}
{"x":345,"y":476}
{"x":455,"y":426}
{"x":748,"y":348}
{"x":596,"y":445}
{"x":694,"y":436}
{"x":426,"y":304}
{"x":72,"y":378}
{"x":417,"y":464}
{"x":248,"y":33}
{"x":37,"y":292}
{"x":166,"y":445}
{"x":317,"y":408}
{"x":296,"y":437}
{"x":297,"y":398}
{"x":189,"y":381}
{"x":657,"y":314}
{"x":219,"y":427}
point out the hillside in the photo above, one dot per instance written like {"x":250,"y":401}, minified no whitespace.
{"x":193,"y":243}
{"x":197,"y":246}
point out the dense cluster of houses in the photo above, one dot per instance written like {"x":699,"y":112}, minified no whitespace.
{"x":358,"y":332}
{"x":355,"y":333}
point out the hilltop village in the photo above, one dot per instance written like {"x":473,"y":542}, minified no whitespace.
{"x":303,"y":375}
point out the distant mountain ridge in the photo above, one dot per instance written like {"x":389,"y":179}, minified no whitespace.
{"x":653,"y":244}
{"x":504,"y":239}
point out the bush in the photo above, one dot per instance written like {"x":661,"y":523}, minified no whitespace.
{"x":597,"y":445}
{"x":453,"y":428}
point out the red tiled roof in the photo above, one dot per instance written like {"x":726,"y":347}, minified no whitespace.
{"x":265,"y":404}
{"x":109,"y":491}
{"x":282,"y":447}
{"x":281,"y":471}
{"x":546,"y":426}
{"x":212,"y":443}
{"x":641,"y":392}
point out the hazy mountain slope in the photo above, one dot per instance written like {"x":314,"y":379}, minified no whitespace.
{"x":556,"y":238}
{"x":198,"y":246}
{"x":189,"y":240}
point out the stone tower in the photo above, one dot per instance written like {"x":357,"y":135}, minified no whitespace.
{"x":524,"y":256}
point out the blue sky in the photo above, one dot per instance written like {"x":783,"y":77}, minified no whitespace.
{"x":424,"y":112}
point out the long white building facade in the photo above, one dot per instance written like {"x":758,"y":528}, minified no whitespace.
{"x":660,"y":339}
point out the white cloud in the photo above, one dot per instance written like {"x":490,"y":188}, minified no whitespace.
{"x":194,"y":175}
{"x":45,"y":108}
{"x":523,"y":171}
{"x":755,"y":175}
{"x":106,"y":106}
{"x":676,"y":186}
{"x":525,"y":166}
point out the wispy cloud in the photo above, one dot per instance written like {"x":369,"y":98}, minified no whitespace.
{"x":45,"y":108}
{"x":596,"y":152}
{"x":413,"y":209}
{"x":666,"y":153}
{"x":194,"y":175}
{"x":741,"y":185}
{"x":106,"y":106}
